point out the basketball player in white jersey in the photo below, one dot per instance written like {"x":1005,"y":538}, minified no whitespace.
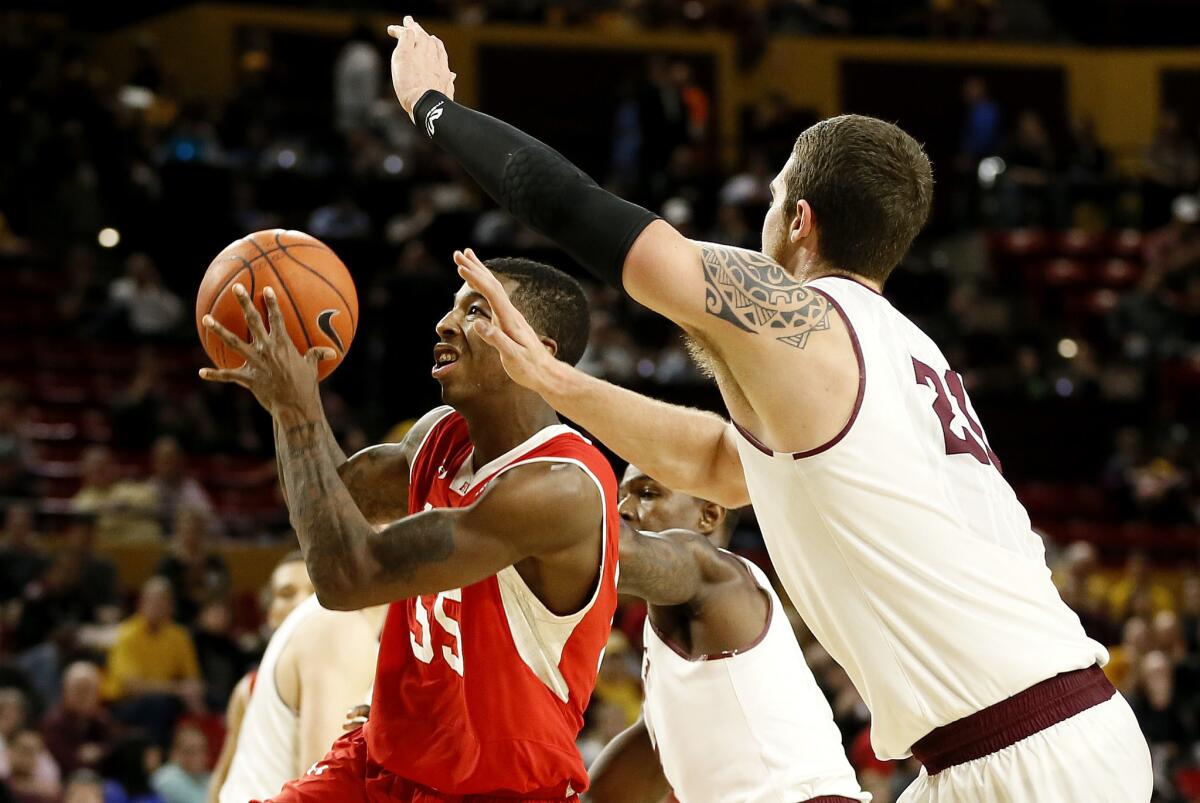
{"x":880,"y":499}
{"x":732,"y":712}
{"x":289,"y":586}
{"x":317,"y":664}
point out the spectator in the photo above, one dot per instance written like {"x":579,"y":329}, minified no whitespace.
{"x":153,"y":673}
{"x":222,"y":660}
{"x":1032,"y":193}
{"x":1171,"y":160}
{"x":981,"y":128}
{"x":1189,"y":613}
{"x":343,"y":219}
{"x":1124,"y":658}
{"x":79,"y":732}
{"x":617,"y":684}
{"x":25,"y":782}
{"x":56,"y":599}
{"x":1162,"y":722}
{"x":85,"y":786}
{"x":196,"y":572}
{"x":356,"y":79}
{"x":128,"y":768}
{"x":140,"y":304}
{"x":125,"y":511}
{"x":1137,"y":578}
{"x":184,"y":779}
{"x":174,"y":489}
{"x":22,"y":556}
{"x":16,"y":451}
{"x":84,"y":295}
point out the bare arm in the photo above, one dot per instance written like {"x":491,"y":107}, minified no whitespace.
{"x":335,"y":664}
{"x":529,"y":511}
{"x":686,"y":449}
{"x":667,"y":568}
{"x":234,"y":713}
{"x":628,"y":771}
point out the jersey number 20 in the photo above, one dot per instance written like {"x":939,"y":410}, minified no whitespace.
{"x":423,"y":647}
{"x":971,"y":441}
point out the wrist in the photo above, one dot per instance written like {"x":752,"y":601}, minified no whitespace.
{"x":558,"y":381}
{"x":294,"y":415}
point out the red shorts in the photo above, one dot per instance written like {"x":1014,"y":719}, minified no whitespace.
{"x":348,"y":775}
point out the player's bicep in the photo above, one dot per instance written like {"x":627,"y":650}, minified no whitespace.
{"x":663,"y":272}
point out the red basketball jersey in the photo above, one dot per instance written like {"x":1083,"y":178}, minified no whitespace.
{"x":481,"y":690}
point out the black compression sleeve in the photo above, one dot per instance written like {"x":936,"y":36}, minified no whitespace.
{"x":537,"y":185}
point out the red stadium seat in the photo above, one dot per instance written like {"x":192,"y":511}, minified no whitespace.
{"x":1116,"y":272}
{"x":1063,"y":273}
{"x":1126,"y":243}
{"x":1080,"y":243}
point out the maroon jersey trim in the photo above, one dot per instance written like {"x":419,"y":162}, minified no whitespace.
{"x":718,"y":656}
{"x":858,"y":401}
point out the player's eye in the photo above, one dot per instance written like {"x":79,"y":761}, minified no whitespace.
{"x":646,"y":493}
{"x":474,"y":309}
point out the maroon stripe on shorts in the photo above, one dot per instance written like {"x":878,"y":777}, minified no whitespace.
{"x":1009,"y":721}
{"x":831,"y":799}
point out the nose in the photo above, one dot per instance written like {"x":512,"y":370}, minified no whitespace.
{"x":628,"y":510}
{"x":446,"y":327}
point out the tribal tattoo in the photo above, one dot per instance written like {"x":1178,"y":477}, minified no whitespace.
{"x":755,"y":294}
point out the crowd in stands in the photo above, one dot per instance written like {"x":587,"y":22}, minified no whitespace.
{"x":1075,"y":315}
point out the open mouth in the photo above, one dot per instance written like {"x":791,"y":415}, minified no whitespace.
{"x":445,"y":357}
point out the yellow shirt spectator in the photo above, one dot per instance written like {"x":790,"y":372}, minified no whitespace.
{"x":152,"y":654}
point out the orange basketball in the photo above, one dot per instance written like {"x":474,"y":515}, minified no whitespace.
{"x":315,"y":292}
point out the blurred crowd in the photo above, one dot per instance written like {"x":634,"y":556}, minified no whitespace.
{"x":1070,"y":289}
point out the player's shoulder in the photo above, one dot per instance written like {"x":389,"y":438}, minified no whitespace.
{"x":326,"y":633}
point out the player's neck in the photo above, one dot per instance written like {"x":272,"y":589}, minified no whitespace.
{"x":501,"y":424}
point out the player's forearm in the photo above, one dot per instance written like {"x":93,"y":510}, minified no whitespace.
{"x":537,"y":185}
{"x":683,"y":448}
{"x":334,"y":535}
{"x":329,"y":444}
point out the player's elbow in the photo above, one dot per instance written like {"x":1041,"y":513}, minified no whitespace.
{"x":337,"y":588}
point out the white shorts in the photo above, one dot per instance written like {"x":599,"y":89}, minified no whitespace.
{"x":1098,"y":756}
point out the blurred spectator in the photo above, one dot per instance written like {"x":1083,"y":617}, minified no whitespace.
{"x":196,"y":572}
{"x":184,"y":779}
{"x":140,"y":304}
{"x":357,"y":75}
{"x":222,"y":660}
{"x":125,"y":511}
{"x":84,"y":294}
{"x":128,"y":768}
{"x":58,"y":598}
{"x":1032,"y":190}
{"x":27,"y":759}
{"x":752,"y":186}
{"x":79,"y":731}
{"x":618,"y":683}
{"x":16,"y":451}
{"x":343,"y":219}
{"x":1137,"y":578}
{"x":1124,"y":658}
{"x":1189,"y":613}
{"x":85,"y":786}
{"x":1171,"y":159}
{"x":152,"y":672}
{"x":174,"y":490}
{"x":25,"y":783}
{"x":981,"y":128}
{"x":22,"y":555}
{"x":1161,"y":721}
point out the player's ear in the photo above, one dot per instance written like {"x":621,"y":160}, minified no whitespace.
{"x":551,"y":345}
{"x":803,"y":222}
{"x":712,"y":516}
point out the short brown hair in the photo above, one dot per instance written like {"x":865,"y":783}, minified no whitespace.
{"x":870,"y":186}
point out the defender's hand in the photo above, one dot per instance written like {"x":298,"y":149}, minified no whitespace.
{"x":524,"y":354}
{"x":275,"y":371}
{"x":356,"y":717}
{"x":419,"y":63}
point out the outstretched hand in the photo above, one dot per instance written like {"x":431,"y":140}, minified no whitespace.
{"x":419,"y":63}
{"x":275,"y":371}
{"x":525,"y":356}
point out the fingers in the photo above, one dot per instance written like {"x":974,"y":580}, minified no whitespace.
{"x":318,"y":354}
{"x":227,"y":337}
{"x":258,"y":332}
{"x":413,"y":25}
{"x":274,"y":315}
{"x":238,"y":376}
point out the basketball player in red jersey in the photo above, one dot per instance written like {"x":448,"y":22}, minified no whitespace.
{"x":492,"y":529}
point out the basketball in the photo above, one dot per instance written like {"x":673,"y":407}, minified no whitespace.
{"x":315,"y":292}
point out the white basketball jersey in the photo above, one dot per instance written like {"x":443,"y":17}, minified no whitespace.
{"x":267,"y":754}
{"x":904,"y":548}
{"x":744,"y":727}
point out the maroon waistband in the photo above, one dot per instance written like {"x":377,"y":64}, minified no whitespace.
{"x":1009,"y":721}
{"x":831,"y":799}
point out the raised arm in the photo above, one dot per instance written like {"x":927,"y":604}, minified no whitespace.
{"x":685,"y":449}
{"x":720,"y":291}
{"x":667,"y":568}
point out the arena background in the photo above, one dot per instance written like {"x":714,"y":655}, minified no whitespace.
{"x":1060,"y":273}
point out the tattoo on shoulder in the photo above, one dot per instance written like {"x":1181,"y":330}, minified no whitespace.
{"x":755,"y":294}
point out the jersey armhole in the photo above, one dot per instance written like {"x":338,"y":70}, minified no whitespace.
{"x":419,"y":451}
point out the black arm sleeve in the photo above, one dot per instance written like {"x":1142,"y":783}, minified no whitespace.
{"x":537,"y":185}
